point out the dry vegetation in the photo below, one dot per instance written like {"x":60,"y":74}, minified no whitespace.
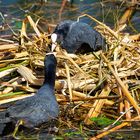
{"x":87,"y":86}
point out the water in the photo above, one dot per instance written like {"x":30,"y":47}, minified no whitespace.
{"x":14,"y":11}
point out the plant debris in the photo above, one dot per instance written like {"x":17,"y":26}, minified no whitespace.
{"x":87,"y":86}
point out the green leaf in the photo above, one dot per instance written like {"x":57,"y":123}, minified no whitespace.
{"x":102,"y":121}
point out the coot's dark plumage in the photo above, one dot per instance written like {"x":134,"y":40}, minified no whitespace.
{"x":77,"y":37}
{"x":40,"y":108}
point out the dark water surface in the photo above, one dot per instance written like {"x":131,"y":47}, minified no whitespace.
{"x":14,"y":11}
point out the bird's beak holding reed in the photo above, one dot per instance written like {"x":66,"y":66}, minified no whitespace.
{"x":54,"y":43}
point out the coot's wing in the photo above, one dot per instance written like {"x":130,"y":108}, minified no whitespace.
{"x":80,"y":33}
{"x":27,"y":105}
{"x":27,"y":110}
{"x":21,"y":107}
{"x":36,"y":109}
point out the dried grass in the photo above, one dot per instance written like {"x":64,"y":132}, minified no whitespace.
{"x":86,"y":78}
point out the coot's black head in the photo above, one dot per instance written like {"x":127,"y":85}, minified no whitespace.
{"x":50,"y":63}
{"x":60,"y":32}
{"x":62,"y":29}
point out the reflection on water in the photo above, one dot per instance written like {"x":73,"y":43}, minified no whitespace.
{"x":15,"y":11}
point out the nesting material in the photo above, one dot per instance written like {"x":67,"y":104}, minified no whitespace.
{"x":82,"y":79}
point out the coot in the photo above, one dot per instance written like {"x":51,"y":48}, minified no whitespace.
{"x":77,"y":37}
{"x":40,"y":108}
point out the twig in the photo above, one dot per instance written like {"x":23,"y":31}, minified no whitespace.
{"x":6,"y":40}
{"x":113,"y":129}
{"x":13,"y":60}
{"x":34,"y":26}
{"x":97,"y":106}
{"x":69,"y":81}
{"x":73,"y":62}
{"x":124,"y":89}
{"x":7,"y":24}
{"x":106,"y":27}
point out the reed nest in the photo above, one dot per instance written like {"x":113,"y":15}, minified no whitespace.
{"x":87,"y":86}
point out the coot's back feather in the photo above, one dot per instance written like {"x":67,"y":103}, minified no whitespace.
{"x":72,"y":35}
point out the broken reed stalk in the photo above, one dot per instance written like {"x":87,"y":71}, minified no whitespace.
{"x":109,"y":131}
{"x":97,"y":106}
{"x":9,"y":46}
{"x":6,"y":40}
{"x":13,"y":60}
{"x":65,"y":98}
{"x":10,"y":88}
{"x":73,"y":62}
{"x":124,"y":89}
{"x":69,"y":81}
{"x":114,"y":129}
{"x":23,"y":33}
{"x":100,"y":23}
{"x":27,"y":74}
{"x":7,"y":72}
{"x":22,"y":96}
{"x":122,"y":23}
{"x":34,"y":26}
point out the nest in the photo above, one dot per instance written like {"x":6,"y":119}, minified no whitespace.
{"x":94,"y":84}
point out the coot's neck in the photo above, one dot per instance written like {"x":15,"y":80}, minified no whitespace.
{"x":49,"y":79}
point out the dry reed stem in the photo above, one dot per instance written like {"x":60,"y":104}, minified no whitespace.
{"x":10,"y":88}
{"x":27,"y":74}
{"x":109,"y":131}
{"x":13,"y":60}
{"x":69,"y":81}
{"x":7,"y":90}
{"x":7,"y":72}
{"x":21,"y":54}
{"x":66,"y":98}
{"x":15,"y":99}
{"x":9,"y":47}
{"x":125,"y":18}
{"x":6,"y":40}
{"x":127,"y":106}
{"x":114,"y":129}
{"x":34,"y":26}
{"x":128,"y":113}
{"x":106,"y":27}
{"x":134,"y":37}
{"x":124,"y":89}
{"x":23,"y":31}
{"x":97,"y":106}
{"x":73,"y":62}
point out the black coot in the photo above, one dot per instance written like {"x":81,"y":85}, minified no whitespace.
{"x":40,"y":108}
{"x":77,"y":37}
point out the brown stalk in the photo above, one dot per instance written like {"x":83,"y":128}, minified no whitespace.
{"x":7,"y":72}
{"x":69,"y":81}
{"x":126,"y":16}
{"x":97,"y":106}
{"x":66,"y":98}
{"x":9,"y":47}
{"x":114,"y":129}
{"x":73,"y":62}
{"x":34,"y":26}
{"x":100,"y":23}
{"x":15,"y":98}
{"x":124,"y":89}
